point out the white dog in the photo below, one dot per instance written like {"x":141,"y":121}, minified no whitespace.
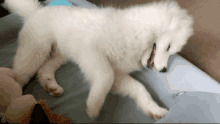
{"x":107,"y":43}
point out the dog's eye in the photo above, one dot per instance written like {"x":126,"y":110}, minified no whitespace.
{"x":168,"y":47}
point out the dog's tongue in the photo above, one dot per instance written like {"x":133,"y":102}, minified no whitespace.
{"x":150,"y":61}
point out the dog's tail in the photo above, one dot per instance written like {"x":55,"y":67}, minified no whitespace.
{"x":24,"y":8}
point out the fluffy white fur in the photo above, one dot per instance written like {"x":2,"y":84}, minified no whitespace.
{"x":107,"y":43}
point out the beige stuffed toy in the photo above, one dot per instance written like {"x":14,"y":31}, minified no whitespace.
{"x":18,"y":108}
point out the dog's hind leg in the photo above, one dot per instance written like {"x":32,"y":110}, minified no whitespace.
{"x":46,"y":73}
{"x":30,"y":55}
{"x":126,"y":85}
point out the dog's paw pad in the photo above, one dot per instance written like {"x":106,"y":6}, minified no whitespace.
{"x":158,"y":113}
{"x":54,"y":90}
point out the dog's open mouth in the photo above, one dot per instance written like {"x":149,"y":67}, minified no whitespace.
{"x":150,"y":61}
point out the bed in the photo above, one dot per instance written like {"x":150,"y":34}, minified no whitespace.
{"x":190,"y":94}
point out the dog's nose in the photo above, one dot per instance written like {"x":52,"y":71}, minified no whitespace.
{"x":164,"y":70}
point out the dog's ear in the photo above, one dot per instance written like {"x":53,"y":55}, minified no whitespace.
{"x":38,"y":115}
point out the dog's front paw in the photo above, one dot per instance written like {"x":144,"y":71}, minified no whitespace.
{"x":92,"y":113}
{"x":54,"y":89}
{"x":157,"y":113}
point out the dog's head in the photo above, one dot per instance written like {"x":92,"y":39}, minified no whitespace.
{"x":171,"y":34}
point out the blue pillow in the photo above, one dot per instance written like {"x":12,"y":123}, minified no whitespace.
{"x":59,"y":2}
{"x":194,"y":107}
